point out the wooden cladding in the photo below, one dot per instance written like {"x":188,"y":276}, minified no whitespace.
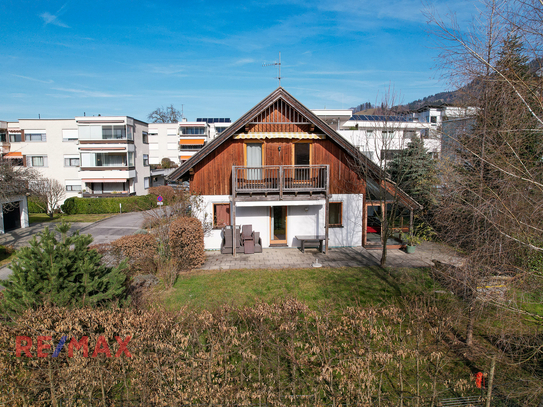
{"x":213,"y":175}
{"x":279,"y":117}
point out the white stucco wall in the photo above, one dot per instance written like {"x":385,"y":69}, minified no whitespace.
{"x":299,"y":220}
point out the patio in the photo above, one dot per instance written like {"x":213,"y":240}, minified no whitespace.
{"x":279,"y":258}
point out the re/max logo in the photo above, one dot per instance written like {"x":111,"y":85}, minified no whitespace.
{"x":23,"y":344}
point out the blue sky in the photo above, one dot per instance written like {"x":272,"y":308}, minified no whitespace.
{"x":60,"y":59}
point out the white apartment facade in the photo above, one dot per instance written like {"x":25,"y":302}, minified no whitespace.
{"x":380,"y":137}
{"x":90,"y":156}
{"x":114,"y":156}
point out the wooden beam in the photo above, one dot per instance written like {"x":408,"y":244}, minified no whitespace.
{"x":233,"y":211}
{"x":327,"y":209}
{"x":411,"y":222}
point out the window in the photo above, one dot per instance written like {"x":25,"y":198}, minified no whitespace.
{"x":190,"y":146}
{"x":153,"y":146}
{"x":130,"y":159}
{"x":145,"y":137}
{"x":433,"y":119}
{"x":368,"y":154}
{"x":15,"y":137}
{"x":389,"y":154}
{"x":193,"y":130}
{"x":73,"y":187}
{"x":146,"y":160}
{"x":370,"y":134}
{"x":219,"y":129}
{"x":71,"y":162}
{"x":3,"y":137}
{"x":172,"y":146}
{"x":37,"y":161}
{"x":35,"y":136}
{"x":221,"y":215}
{"x":335,"y":214}
{"x":387,"y":134}
{"x":146,"y":182}
{"x":69,"y":135}
{"x":409,"y":134}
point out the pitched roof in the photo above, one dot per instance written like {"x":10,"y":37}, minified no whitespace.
{"x":277,"y":94}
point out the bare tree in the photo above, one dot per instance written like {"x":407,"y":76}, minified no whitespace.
{"x":47,"y":193}
{"x":14,"y":180}
{"x":383,"y":198}
{"x":168,"y":115}
{"x":493,"y":193}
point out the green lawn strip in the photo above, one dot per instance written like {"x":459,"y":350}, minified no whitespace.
{"x":315,"y":287}
{"x":7,"y":255}
{"x":84,"y":217}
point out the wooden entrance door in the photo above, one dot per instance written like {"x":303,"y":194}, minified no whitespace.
{"x":278,"y":222}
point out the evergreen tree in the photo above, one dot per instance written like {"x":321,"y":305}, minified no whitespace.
{"x":414,"y":171}
{"x":63,"y":273}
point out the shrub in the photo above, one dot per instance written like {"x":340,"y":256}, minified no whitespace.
{"x":64,"y":273}
{"x":108,"y":205}
{"x":166,"y":192}
{"x":68,"y":207}
{"x":34,"y":207}
{"x":187,"y":243}
{"x":140,"y":250}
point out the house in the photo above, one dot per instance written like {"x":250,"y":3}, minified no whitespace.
{"x":283,"y":170}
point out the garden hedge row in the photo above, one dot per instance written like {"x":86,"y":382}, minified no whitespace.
{"x":34,"y":208}
{"x":77,"y":205}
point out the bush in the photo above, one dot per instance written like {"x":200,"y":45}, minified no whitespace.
{"x":187,"y":243}
{"x":68,"y":207}
{"x":166,"y":192}
{"x":34,"y":207}
{"x":77,"y":205}
{"x":64,"y":273}
{"x":140,"y":250}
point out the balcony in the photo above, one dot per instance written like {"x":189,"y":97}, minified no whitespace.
{"x":281,"y":179}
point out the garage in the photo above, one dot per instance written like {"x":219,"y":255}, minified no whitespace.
{"x":11,"y":214}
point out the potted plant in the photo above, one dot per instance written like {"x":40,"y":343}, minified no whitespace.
{"x":422,"y":233}
{"x":411,"y":241}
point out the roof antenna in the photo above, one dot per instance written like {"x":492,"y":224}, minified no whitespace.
{"x":278,"y":64}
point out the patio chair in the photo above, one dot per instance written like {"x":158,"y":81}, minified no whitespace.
{"x":226,"y":244}
{"x":248,"y":239}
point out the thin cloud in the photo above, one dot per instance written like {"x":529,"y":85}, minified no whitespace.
{"x":33,"y":79}
{"x":90,"y":93}
{"x":54,"y":19}
{"x":243,"y":61}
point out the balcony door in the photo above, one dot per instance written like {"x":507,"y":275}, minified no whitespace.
{"x":254,"y":159}
{"x":302,"y":158}
{"x":278,"y":225}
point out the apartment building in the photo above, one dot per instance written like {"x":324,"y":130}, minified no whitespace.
{"x":90,"y":156}
{"x":163,"y":142}
{"x":380,"y":137}
{"x":114,"y":156}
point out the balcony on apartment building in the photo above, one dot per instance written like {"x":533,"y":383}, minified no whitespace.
{"x":281,"y":181}
{"x":4,"y":142}
{"x":105,"y":134}
{"x":107,"y":161}
{"x":108,"y":188}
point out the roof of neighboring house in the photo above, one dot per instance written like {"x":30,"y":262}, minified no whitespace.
{"x":380,"y":118}
{"x":277,"y":94}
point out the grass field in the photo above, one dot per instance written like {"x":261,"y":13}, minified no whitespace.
{"x":7,"y":255}
{"x":86,"y":217}
{"x":316,"y":287}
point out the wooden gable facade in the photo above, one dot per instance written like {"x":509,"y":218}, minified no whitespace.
{"x":278,"y":125}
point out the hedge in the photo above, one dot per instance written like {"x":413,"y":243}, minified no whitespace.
{"x":187,"y":243}
{"x":77,"y":205}
{"x":35,"y":208}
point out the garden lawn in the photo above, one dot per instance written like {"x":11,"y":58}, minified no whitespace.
{"x":316,"y":287}
{"x":7,"y":255}
{"x":84,"y":217}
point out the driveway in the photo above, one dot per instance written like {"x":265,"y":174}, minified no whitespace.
{"x":110,"y":229}
{"x":103,"y":231}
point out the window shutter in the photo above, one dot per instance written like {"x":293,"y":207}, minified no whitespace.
{"x":45,"y":162}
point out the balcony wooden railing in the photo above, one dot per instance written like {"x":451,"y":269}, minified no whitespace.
{"x":280,"y":179}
